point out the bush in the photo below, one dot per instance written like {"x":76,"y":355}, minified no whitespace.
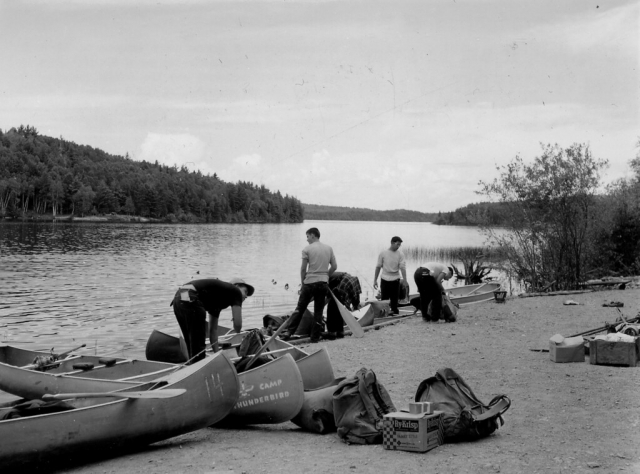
{"x":549,"y":213}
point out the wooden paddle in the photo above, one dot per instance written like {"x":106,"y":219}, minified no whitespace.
{"x":477,"y":289}
{"x":266,"y":344}
{"x":353,"y":324}
{"x":65,"y":354}
{"x":168,"y":393}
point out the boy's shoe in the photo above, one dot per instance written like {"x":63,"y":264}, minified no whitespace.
{"x":339,"y":335}
{"x":329,"y":335}
{"x":313,"y":341}
{"x":285,"y":336}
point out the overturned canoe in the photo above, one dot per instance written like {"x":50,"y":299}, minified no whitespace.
{"x":211,"y":390}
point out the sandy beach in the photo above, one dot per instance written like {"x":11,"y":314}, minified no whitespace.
{"x":569,"y":418}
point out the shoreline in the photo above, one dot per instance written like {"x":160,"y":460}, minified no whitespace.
{"x":563,"y":416}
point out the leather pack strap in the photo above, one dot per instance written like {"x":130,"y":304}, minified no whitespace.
{"x":495,"y":410}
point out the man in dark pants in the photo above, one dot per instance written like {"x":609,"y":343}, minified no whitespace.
{"x":392,"y":263}
{"x":347,"y":289}
{"x":428,"y":278}
{"x":318,"y":264}
{"x":199,"y":297}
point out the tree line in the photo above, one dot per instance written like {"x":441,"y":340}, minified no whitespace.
{"x":338,"y":213}
{"x":43,"y":175}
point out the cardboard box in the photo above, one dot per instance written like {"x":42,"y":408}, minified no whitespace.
{"x":614,"y":352}
{"x":563,"y":349}
{"x":412,"y":432}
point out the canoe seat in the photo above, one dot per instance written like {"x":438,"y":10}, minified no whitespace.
{"x":83,"y":366}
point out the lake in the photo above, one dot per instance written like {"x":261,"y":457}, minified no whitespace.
{"x":109,"y":285}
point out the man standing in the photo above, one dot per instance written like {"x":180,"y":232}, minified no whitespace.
{"x":198,"y":297}
{"x":347,"y":290}
{"x":428,"y":278}
{"x":392,"y":263}
{"x":318,"y":264}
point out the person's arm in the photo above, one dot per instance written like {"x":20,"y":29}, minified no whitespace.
{"x":375,"y":278}
{"x":404,"y":276}
{"x":213,"y":330}
{"x":403,"y":269}
{"x":236,"y":314}
{"x":303,"y":270}
{"x":439,"y":279}
{"x":333,"y":265}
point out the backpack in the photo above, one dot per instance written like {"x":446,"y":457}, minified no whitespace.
{"x":359,"y":403}
{"x":251,"y":344}
{"x":465,"y":417}
{"x":449,"y":309}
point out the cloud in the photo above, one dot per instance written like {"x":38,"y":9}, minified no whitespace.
{"x":612,"y":28}
{"x":430,"y":163}
{"x":177,"y":149}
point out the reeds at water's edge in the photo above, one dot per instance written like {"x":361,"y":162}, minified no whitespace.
{"x":423,"y":254}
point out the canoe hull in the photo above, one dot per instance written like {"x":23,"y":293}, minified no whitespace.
{"x":31,"y":384}
{"x":464,"y":295}
{"x":316,"y":369}
{"x":109,"y":424}
{"x":468,"y":294}
{"x":271,"y":393}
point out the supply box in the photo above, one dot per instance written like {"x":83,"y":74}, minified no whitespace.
{"x":418,"y":432}
{"x":602,"y":352}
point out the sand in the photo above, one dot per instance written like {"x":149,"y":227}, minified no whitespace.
{"x":569,"y":418}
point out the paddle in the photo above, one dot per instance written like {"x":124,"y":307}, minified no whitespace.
{"x":266,"y":344}
{"x":65,"y":354}
{"x":481,"y":286}
{"x":168,"y":393}
{"x":353,"y":324}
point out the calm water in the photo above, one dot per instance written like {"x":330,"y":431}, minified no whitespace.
{"x":109,"y":285}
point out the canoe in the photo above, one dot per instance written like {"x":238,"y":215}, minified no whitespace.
{"x":316,"y":369}
{"x":463,"y":295}
{"x":467,"y":294}
{"x":73,"y":375}
{"x":271,"y":393}
{"x":104,"y":424}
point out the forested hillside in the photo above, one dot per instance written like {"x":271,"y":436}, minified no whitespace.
{"x":43,"y":175}
{"x":485,"y":213}
{"x":319,"y":212}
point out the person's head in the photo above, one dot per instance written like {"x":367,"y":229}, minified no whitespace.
{"x":396,"y":242}
{"x":313,"y":235}
{"x":246,"y":289}
{"x":449,"y":273}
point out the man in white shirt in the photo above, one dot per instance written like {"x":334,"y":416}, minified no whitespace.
{"x":318,"y":264}
{"x":392,"y":263}
{"x":429,"y":278}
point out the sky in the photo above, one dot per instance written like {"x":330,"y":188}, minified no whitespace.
{"x":378,"y":104}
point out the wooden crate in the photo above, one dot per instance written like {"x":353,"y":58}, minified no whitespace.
{"x":614,"y":353}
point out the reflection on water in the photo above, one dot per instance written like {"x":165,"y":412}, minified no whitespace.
{"x":109,"y":285}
